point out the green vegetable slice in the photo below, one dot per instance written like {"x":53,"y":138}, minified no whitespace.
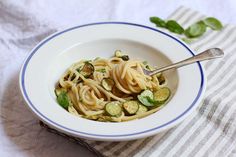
{"x":113,"y":108}
{"x":141,"y":109}
{"x":119,"y":54}
{"x":87,"y":70}
{"x":108,"y":83}
{"x":196,"y":30}
{"x":174,"y":27}
{"x":213,"y":23}
{"x":131,"y":107}
{"x":161,"y":95}
{"x":158,"y":21}
{"x":62,"y":98}
{"x":146,"y":98}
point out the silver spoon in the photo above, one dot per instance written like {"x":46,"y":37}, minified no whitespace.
{"x":205,"y":55}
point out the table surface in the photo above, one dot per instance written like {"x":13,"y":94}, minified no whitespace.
{"x":57,"y":15}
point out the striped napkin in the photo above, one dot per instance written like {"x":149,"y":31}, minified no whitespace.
{"x":211,"y":129}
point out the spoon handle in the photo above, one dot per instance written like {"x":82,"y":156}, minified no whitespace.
{"x":205,"y":55}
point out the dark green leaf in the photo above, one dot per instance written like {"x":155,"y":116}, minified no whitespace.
{"x":213,"y":23}
{"x":63,"y":99}
{"x":196,"y":30}
{"x":158,"y":21}
{"x":174,"y":27}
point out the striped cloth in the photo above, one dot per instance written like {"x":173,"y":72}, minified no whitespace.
{"x":211,"y":129}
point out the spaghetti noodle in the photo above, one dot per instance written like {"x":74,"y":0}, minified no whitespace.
{"x":109,"y":89}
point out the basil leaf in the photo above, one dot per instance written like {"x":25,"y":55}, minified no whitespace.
{"x":196,"y":30}
{"x":213,"y":23}
{"x":63,"y":99}
{"x":174,"y":27}
{"x":158,"y":21}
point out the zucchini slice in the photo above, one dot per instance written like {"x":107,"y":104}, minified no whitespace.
{"x":131,"y":107}
{"x":161,"y":95}
{"x":87,"y":70}
{"x":113,"y":108}
{"x":108,"y":83}
{"x":141,"y":109}
{"x":119,"y":54}
{"x":145,"y":98}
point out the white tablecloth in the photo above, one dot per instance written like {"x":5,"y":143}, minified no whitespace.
{"x":24,"y":23}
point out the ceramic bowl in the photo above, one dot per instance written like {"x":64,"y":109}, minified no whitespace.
{"x":52,"y":56}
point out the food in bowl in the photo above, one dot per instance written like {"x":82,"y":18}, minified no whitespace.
{"x":111,"y":90}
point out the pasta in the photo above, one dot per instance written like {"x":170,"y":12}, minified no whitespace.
{"x":114,"y":89}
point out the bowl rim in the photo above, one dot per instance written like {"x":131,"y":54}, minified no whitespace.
{"x":173,"y":122}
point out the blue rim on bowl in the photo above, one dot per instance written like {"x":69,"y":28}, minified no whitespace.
{"x":44,"y":118}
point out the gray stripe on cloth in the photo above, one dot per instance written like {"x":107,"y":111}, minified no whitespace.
{"x":158,"y":143}
{"x":209,"y":37}
{"x":193,"y":16}
{"x":232,"y":153}
{"x":117,"y":146}
{"x":217,"y":123}
{"x":228,"y":144}
{"x":169,"y":147}
{"x":126,"y":146}
{"x":139,"y":147}
{"x":217,"y":38}
{"x":218,"y":68}
{"x":108,"y":146}
{"x":176,"y":140}
{"x":95,"y":143}
{"x":133,"y":148}
{"x":226,"y":95}
{"x":229,"y":44}
{"x":195,"y":134}
{"x":146,"y":145}
{"x":176,"y":14}
{"x":185,"y":129}
{"x":184,"y":17}
{"x":225,"y":128}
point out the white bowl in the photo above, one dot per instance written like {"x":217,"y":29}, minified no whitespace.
{"x":52,"y":56}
